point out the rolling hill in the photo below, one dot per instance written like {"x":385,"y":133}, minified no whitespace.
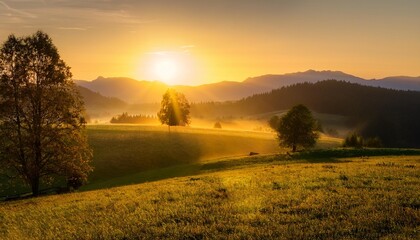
{"x":94,"y":100}
{"x":263,"y":197}
{"x":392,"y":115}
{"x":98,"y":106}
{"x":133,"y":91}
{"x":127,"y":89}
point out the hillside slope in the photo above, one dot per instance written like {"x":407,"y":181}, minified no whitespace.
{"x":94,"y":100}
{"x":389,"y":114}
{"x":255,"y":198}
{"x":127,"y":89}
{"x":98,"y":106}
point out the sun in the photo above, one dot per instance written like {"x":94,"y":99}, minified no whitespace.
{"x":169,"y":67}
{"x":166,"y":70}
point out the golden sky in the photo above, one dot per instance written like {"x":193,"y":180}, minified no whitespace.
{"x":211,"y":41}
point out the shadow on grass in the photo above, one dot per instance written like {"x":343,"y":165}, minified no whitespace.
{"x":146,"y":176}
{"x":325,"y":160}
{"x":184,"y":170}
{"x":354,"y":152}
{"x":246,"y":161}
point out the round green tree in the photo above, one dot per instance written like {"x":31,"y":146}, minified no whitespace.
{"x":298,"y":128}
{"x":175,"y":109}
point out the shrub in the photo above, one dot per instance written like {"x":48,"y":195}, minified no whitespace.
{"x":357,"y":141}
{"x":217,"y":125}
{"x":353,"y":140}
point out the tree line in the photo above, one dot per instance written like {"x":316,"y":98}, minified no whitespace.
{"x":391,"y":115}
{"x":136,"y":119}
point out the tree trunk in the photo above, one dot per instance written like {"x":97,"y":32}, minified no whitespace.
{"x":294,"y":148}
{"x":35,"y":186}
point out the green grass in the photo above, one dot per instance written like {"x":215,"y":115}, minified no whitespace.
{"x":127,"y":154}
{"x":126,"y":149}
{"x":262,"y":197}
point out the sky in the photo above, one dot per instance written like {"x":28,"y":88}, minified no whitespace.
{"x":194,"y":42}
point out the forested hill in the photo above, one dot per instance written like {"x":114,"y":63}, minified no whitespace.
{"x":392,"y":115}
{"x":336,"y":97}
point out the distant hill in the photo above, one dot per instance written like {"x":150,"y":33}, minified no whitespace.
{"x":270,"y":82}
{"x":96,"y":100}
{"x":133,"y":91}
{"x":400,"y":83}
{"x":100,"y":106}
{"x":392,"y":115}
{"x":127,"y":89}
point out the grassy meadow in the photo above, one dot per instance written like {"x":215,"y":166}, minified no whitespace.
{"x":196,"y":183}
{"x":126,"y":154}
{"x":124,"y":149}
{"x":314,"y":196}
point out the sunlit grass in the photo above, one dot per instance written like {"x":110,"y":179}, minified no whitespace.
{"x":263,"y":197}
{"x":127,"y":154}
{"x":125,"y":149}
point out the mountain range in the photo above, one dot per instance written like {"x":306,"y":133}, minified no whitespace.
{"x":134,"y":91}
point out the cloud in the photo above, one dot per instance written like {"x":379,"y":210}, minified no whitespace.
{"x":187,"y":46}
{"x":158,"y":53}
{"x":68,"y":15}
{"x":184,"y":49}
{"x":73,"y":28}
{"x":15,"y":11}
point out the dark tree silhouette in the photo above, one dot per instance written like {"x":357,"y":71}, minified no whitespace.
{"x":273,"y":122}
{"x":127,"y":118}
{"x":175,"y":109}
{"x":353,"y":140}
{"x":217,"y":125}
{"x":297,"y":128}
{"x":41,"y":115}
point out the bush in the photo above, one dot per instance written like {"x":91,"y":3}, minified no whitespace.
{"x":353,"y":140}
{"x":373,"y":142}
{"x":274,"y":122}
{"x":217,"y":125}
{"x":357,"y":141}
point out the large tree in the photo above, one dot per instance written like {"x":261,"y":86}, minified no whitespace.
{"x":298,"y":128}
{"x":175,"y":109}
{"x":42,"y":128}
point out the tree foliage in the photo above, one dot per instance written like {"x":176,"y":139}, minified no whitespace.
{"x":41,"y":115}
{"x":273,"y":122}
{"x":217,"y":125}
{"x":175,"y":109}
{"x":298,"y":128}
{"x":357,"y":141}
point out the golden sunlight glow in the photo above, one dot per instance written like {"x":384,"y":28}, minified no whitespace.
{"x":165,"y":70}
{"x":175,"y":67}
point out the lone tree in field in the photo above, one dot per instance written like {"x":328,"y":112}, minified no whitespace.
{"x":298,"y":128}
{"x":175,"y":109}
{"x":42,"y":128}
